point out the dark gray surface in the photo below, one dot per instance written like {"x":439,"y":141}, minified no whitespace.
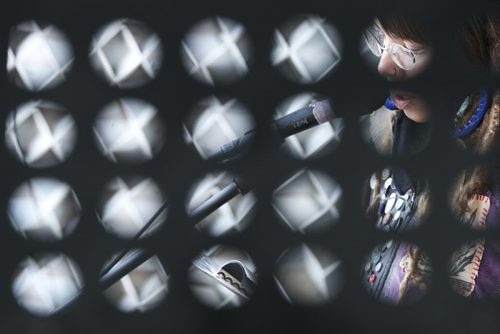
{"x":354,"y":89}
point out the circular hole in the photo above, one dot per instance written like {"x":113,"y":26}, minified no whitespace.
{"x":306,"y":49}
{"x":310,"y":137}
{"x":47,"y":283}
{"x":397,"y":47}
{"x":39,"y":56}
{"x":217,"y":51}
{"x":223,"y":277}
{"x":477,"y":122}
{"x":308,"y":202}
{"x":395,"y":201}
{"x":397,"y":272}
{"x":129,"y":130}
{"x":126,"y":53}
{"x":473,"y":270}
{"x":220,"y":204}
{"x":134,"y":281}
{"x":132,"y":207}
{"x":308,"y":275}
{"x":40,"y":133}
{"x":475,"y":198}
{"x":44,"y":209}
{"x":214,"y":122}
{"x":400,"y":127}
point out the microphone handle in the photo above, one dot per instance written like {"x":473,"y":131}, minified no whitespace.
{"x":234,"y":148}
{"x":286,"y":126}
{"x":229,"y":192}
{"x":123,"y":267}
{"x":296,"y":122}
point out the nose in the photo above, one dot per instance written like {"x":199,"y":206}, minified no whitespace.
{"x":386,"y":66}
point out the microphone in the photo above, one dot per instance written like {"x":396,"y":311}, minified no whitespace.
{"x":314,"y":114}
{"x":235,"y":188}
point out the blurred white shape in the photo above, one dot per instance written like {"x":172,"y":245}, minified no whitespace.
{"x":306,"y":49}
{"x":126,"y":53}
{"x":216,"y":51}
{"x":308,"y":275}
{"x":214,"y":122}
{"x":140,"y":290}
{"x":318,"y":140}
{"x":308,"y":201}
{"x":40,"y":133}
{"x":44,"y":209}
{"x":46,"y":284}
{"x":39,"y":56}
{"x":128,"y":204}
{"x":232,"y":217}
{"x":219,"y":291}
{"x":129,"y":130}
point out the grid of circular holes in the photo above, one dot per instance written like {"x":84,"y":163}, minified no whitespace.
{"x":43,"y":134}
{"x":124,"y":28}
{"x":229,"y":41}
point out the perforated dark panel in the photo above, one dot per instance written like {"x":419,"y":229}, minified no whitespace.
{"x":354,"y":89}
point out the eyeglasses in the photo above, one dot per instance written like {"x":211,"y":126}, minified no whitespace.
{"x":401,"y":55}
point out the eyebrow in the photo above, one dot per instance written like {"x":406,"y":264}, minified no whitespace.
{"x":417,"y":50}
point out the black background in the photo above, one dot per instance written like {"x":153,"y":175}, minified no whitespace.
{"x":354,"y":89}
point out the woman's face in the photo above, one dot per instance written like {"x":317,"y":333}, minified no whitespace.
{"x":413,"y":106}
{"x":399,"y":58}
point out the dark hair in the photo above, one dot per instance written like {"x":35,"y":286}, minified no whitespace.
{"x":405,"y":28}
{"x":480,"y":39}
{"x":470,"y":182}
{"x":420,"y":272}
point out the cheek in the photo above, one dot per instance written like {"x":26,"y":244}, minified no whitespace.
{"x":422,"y":62}
{"x":418,"y":111}
{"x":419,"y":104}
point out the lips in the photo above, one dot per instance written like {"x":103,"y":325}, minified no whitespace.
{"x":401,"y":100}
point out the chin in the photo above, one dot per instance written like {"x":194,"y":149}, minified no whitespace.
{"x":419,"y":115}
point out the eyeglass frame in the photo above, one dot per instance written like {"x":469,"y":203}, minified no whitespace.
{"x":413,"y":53}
